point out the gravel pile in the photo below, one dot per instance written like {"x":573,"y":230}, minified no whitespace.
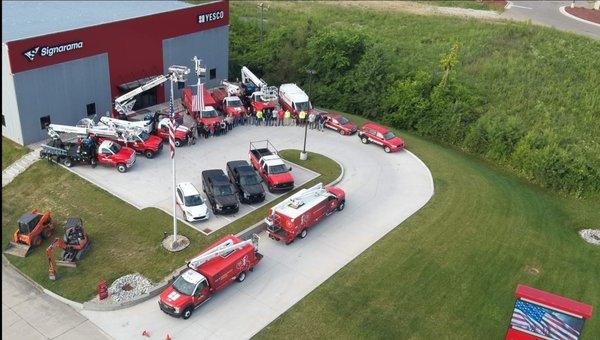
{"x":591,"y":236}
{"x":128,"y":287}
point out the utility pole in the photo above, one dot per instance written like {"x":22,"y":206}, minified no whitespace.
{"x":262,"y":21}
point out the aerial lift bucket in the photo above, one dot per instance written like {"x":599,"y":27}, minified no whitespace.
{"x":17,"y":249}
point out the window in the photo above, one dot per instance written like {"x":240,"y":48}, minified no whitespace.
{"x":44,"y":122}
{"x":213,"y":73}
{"x":91,"y":109}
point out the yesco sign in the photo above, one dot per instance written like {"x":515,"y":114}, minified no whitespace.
{"x":49,"y":51}
{"x":212,"y":16}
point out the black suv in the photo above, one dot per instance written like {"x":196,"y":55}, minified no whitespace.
{"x":220,"y":193}
{"x":247,"y":181}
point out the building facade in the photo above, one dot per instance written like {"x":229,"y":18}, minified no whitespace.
{"x":64,"y":76}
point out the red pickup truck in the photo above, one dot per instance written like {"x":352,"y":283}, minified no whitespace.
{"x":225,"y":261}
{"x":112,"y":154}
{"x":294,"y":216}
{"x":270,"y":166}
{"x":226,"y":103}
{"x":143,"y":143}
{"x":208,"y":116}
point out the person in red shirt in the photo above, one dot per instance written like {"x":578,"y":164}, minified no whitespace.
{"x":280,"y":116}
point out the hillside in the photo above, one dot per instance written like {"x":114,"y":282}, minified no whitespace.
{"x":522,"y":96}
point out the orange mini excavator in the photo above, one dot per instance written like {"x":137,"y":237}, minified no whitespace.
{"x":75,"y":244}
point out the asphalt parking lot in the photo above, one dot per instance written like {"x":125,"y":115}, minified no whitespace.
{"x":382,"y":190}
{"x":149,"y":182}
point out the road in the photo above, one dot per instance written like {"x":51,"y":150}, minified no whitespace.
{"x":547,"y":13}
{"x":382,"y":191}
{"x":29,"y":314}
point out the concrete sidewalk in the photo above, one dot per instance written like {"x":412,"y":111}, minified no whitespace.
{"x":28,"y":313}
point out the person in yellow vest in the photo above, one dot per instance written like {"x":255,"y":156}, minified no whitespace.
{"x":259,"y":117}
{"x":288,"y":117}
{"x":302,"y":116}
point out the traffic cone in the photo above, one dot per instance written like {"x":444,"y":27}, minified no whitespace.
{"x":168,"y":337}
{"x":146,"y":333}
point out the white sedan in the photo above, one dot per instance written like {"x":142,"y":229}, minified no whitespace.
{"x":191,"y":203}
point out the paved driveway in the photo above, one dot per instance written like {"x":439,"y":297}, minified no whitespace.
{"x":149,"y":182}
{"x":382,"y":191}
{"x":547,"y":13}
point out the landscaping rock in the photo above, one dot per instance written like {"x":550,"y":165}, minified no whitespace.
{"x":128,"y":287}
{"x":591,"y":236}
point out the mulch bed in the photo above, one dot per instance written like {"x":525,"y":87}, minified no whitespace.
{"x":584,"y":13}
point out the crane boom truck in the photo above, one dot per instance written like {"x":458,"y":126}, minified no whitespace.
{"x":294,"y":216}
{"x":108,"y":153}
{"x":159,"y":128}
{"x":262,"y":96}
{"x":215,"y":268}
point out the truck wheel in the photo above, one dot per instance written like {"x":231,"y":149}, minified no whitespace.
{"x":178,"y":143}
{"x":36,"y":241}
{"x":47,"y":233}
{"x":241,"y":277}
{"x":303,"y":233}
{"x":68,"y":162}
{"x":121,"y":168}
{"x":387,"y":149}
{"x":364,"y":140}
{"x":341,"y":205}
{"x":342,"y":132}
{"x":149,"y":153}
{"x":187,"y":313}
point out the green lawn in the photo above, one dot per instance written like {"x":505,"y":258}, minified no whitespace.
{"x":450,"y":270}
{"x":11,"y":151}
{"x":125,"y":239}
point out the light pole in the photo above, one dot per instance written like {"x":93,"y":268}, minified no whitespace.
{"x":262,"y":8}
{"x":176,"y":74}
{"x":303,"y":154}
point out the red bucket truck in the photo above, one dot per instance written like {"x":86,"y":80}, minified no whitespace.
{"x":154,"y":125}
{"x":270,"y":166}
{"x":227,"y":103}
{"x":227,"y":260}
{"x":293,"y":217}
{"x":208,"y":115}
{"x":262,"y":96}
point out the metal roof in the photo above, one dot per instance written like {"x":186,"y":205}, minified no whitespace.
{"x":26,"y":19}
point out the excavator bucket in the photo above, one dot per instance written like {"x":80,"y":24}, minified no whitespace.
{"x":66,"y":264}
{"x":17,"y":249}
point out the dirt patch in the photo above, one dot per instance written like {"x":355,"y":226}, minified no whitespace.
{"x":532,"y":270}
{"x":127,"y":287}
{"x":584,"y":13}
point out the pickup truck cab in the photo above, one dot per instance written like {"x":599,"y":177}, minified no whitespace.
{"x":247,"y":181}
{"x":271,"y":167}
{"x":220,"y":192}
{"x":377,"y":134}
{"x":143,"y":143}
{"x":339,"y":123}
{"x":208,"y":116}
{"x":191,"y":203}
{"x":112,"y":154}
{"x":183,"y":135}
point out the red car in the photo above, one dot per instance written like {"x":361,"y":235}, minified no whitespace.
{"x":339,"y":123}
{"x":375,"y":133}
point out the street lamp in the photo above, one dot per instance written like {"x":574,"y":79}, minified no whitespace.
{"x":303,"y":154}
{"x":262,"y":10}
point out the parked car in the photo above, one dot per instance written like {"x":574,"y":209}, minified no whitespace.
{"x":191,"y":203}
{"x":220,"y":192}
{"x":339,"y":123}
{"x":375,"y":133}
{"x":247,"y":181}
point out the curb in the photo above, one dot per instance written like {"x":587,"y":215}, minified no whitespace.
{"x":564,"y":12}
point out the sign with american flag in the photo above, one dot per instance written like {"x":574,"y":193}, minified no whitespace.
{"x":544,"y":322}
{"x":172,"y":128}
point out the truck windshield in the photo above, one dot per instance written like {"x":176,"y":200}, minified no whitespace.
{"x":278,"y":169}
{"x":249,"y":180}
{"x":343,"y":120}
{"x":193,"y":200}
{"x":223,"y":190}
{"x":303,"y":106}
{"x":209,"y":114}
{"x":114,"y":148}
{"x":184,"y":287}
{"x":234,"y":103}
{"x":389,"y":135}
{"x":144,"y":136}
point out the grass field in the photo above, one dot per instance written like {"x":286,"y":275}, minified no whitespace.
{"x":450,"y":270}
{"x":125,"y":240}
{"x":11,"y":151}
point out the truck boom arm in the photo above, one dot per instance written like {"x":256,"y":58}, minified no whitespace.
{"x":247,"y":75}
{"x":221,"y":249}
{"x":55,"y":129}
{"x":124,"y":103}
